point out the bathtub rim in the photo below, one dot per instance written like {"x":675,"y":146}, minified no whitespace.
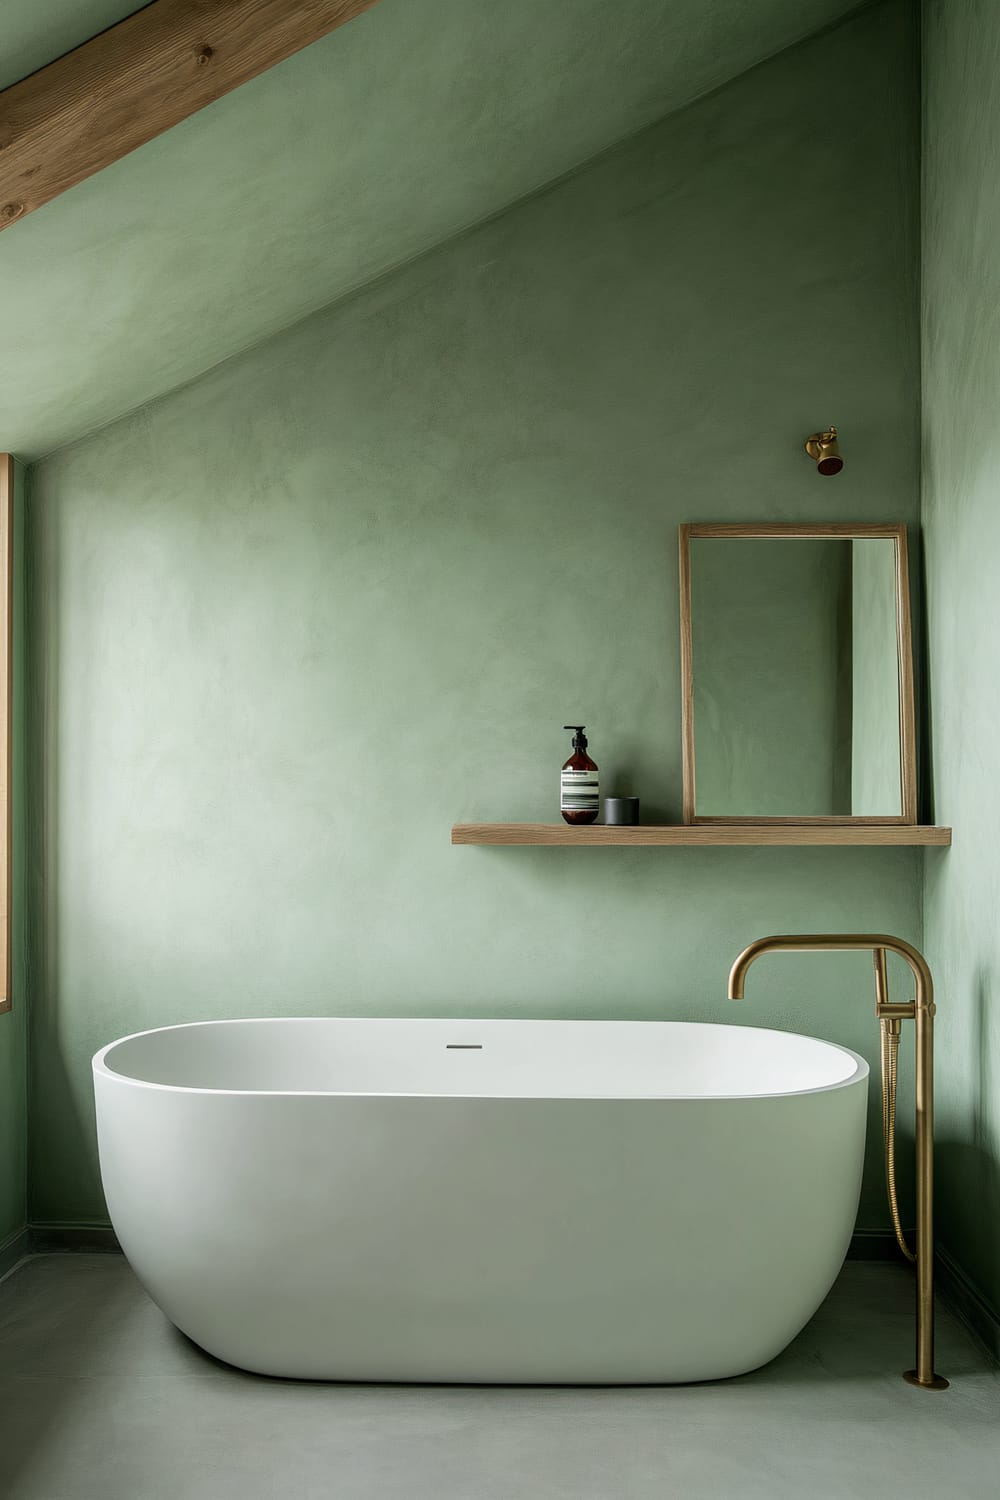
{"x":100,"y":1067}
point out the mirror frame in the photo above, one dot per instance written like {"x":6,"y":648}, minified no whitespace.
{"x":792,"y":531}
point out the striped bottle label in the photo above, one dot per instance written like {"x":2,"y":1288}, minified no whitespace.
{"x":578,"y":791}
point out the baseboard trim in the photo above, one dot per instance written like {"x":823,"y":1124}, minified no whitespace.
{"x":54,"y":1239}
{"x":967,"y":1302}
{"x":48,"y":1239}
{"x":51,"y":1239}
{"x":13,"y":1251}
{"x":874,"y":1244}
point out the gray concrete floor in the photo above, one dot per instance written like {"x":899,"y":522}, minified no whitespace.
{"x":100,"y":1397}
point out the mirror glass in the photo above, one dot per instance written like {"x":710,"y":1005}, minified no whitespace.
{"x":795,"y":686}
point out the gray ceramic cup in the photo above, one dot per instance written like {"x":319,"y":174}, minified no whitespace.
{"x":619,"y":810}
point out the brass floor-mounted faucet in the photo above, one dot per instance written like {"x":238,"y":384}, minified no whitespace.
{"x":921,"y":1011}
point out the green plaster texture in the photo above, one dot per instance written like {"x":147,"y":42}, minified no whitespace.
{"x":13,"y":1024}
{"x":388,"y":136}
{"x":961,"y":501}
{"x":292,"y":621}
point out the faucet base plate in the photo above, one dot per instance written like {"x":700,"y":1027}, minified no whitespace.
{"x":936,"y":1382}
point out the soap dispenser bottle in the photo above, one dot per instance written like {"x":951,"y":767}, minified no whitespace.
{"x":578,"y":788}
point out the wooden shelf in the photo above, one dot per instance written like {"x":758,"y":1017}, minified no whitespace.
{"x":862,"y":835}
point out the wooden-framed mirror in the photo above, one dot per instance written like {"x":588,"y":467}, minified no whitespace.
{"x":797,"y":674}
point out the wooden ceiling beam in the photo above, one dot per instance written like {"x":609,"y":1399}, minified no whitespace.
{"x":137,"y":79}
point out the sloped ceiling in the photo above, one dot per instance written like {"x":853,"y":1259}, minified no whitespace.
{"x":397,"y":131}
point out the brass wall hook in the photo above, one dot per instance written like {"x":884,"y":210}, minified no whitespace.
{"x":824,"y":449}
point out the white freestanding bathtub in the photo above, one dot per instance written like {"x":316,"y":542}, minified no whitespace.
{"x":510,"y":1201}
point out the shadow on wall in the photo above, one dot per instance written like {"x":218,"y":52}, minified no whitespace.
{"x":48,"y":1069}
{"x":968,"y":1169}
{"x":983,"y":1092}
{"x":973,"y":1173}
{"x":923,"y":685}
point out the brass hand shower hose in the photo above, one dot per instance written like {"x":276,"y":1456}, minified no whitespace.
{"x":890,"y":1029}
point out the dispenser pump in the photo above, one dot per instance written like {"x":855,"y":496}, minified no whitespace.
{"x":579,"y":792}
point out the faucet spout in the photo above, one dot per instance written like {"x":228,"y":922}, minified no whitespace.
{"x":824,"y":942}
{"x":922,"y":1013}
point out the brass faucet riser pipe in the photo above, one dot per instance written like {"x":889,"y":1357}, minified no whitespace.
{"x":922,"y":1013}
{"x":924,"y":1374}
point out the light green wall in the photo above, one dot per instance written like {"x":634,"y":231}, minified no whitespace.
{"x":13,"y":1024}
{"x":366,"y":148}
{"x":961,"y":372}
{"x":292,"y":621}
